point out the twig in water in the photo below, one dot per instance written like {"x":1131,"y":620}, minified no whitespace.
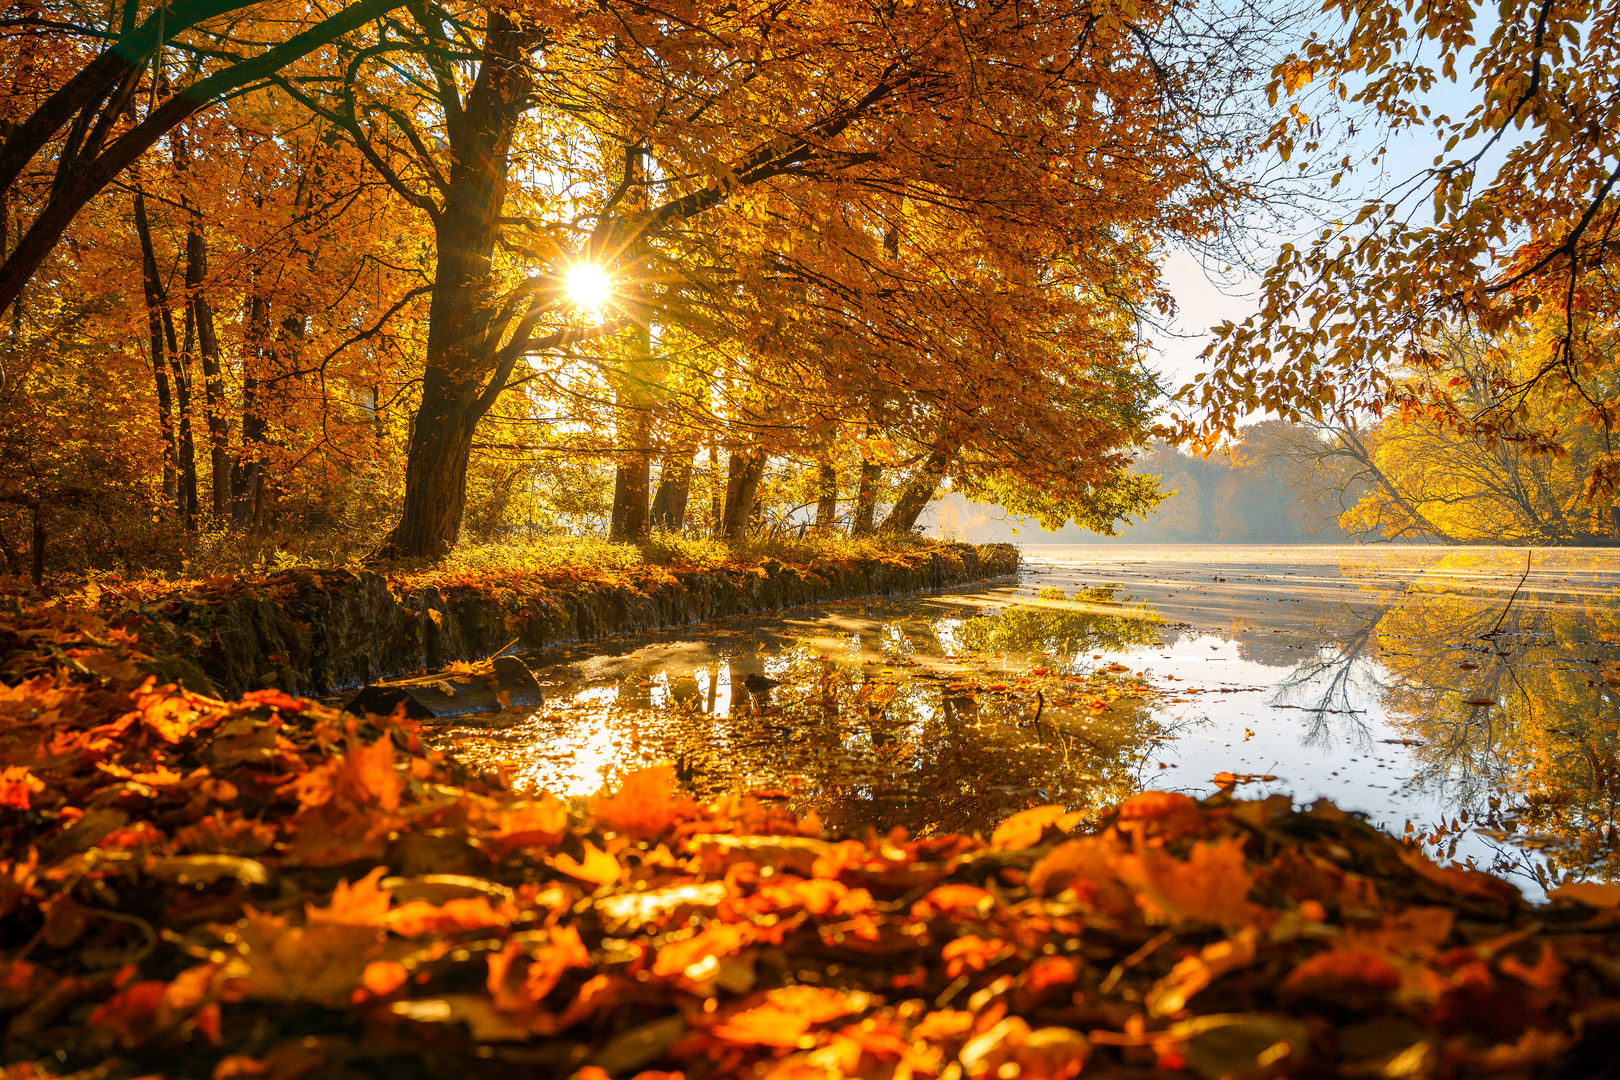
{"x":1492,"y":632}
{"x":500,"y":650}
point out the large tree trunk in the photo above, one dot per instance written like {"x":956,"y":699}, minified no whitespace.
{"x":463,"y":331}
{"x":743,"y":474}
{"x":918,"y":492}
{"x":674,"y":489}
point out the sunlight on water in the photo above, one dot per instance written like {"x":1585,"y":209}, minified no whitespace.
{"x":1401,"y":683}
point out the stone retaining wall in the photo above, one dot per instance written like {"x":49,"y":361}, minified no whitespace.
{"x":323,"y":632}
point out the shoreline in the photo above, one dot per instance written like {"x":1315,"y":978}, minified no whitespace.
{"x":320,"y":632}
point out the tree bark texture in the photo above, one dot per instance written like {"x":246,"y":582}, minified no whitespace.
{"x":744,"y":471}
{"x":169,"y":354}
{"x":674,"y":490}
{"x":866,"y":498}
{"x":202,"y":315}
{"x":632,"y":482}
{"x":160,"y":328}
{"x":826,"y":495}
{"x":918,"y":491}
{"x":38,"y":553}
{"x":463,"y":330}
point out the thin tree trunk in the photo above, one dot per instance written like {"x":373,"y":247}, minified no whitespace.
{"x":826,"y":494}
{"x":202,"y":316}
{"x":717,"y":494}
{"x":13,"y":560}
{"x":160,"y":327}
{"x":743,"y":474}
{"x":247,"y":473}
{"x":39,"y":546}
{"x":866,"y":498}
{"x":185,"y":453}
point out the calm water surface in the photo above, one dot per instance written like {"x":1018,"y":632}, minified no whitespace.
{"x":1425,"y":687}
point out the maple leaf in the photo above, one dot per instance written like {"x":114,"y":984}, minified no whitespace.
{"x":541,"y":969}
{"x":1351,"y":974}
{"x":364,"y":777}
{"x":418,"y":917}
{"x":1212,"y":885}
{"x":323,"y":962}
{"x":597,"y":867}
{"x":1192,"y":974}
{"x":818,"y":896}
{"x":1024,"y":829}
{"x":1169,"y":808}
{"x":645,"y":805}
{"x":718,"y":939}
{"x":360,"y":904}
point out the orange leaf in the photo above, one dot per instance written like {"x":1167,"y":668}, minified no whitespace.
{"x":1335,"y":974}
{"x":1210,"y":886}
{"x":16,"y":784}
{"x":598,"y":867}
{"x":360,"y":904}
{"x":787,"y":1013}
{"x":419,"y":917}
{"x":532,"y":823}
{"x":1024,"y":828}
{"x":720,"y":939}
{"x":383,"y":977}
{"x":645,"y":806}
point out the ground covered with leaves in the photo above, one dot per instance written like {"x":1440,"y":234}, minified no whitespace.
{"x":269,"y":888}
{"x":504,"y":568}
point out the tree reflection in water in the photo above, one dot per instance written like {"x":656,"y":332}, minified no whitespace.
{"x":892,"y":716}
{"x":1514,"y":710}
{"x":928,"y":720}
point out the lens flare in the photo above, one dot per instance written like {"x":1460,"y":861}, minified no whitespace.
{"x":589,"y":286}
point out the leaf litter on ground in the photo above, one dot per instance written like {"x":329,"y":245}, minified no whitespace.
{"x":269,"y":888}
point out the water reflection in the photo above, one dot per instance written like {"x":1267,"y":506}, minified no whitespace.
{"x":1461,"y":692}
{"x":941,"y":715}
{"x":1431,"y":690}
{"x":1513,"y":710}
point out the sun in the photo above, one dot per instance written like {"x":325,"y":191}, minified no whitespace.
{"x":589,"y":286}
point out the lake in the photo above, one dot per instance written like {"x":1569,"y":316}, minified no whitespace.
{"x":1454,"y":695}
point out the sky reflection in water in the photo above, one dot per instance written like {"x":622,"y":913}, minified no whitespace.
{"x":1399,"y":682}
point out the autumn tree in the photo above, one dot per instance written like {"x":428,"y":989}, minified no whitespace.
{"x":838,"y":130}
{"x":76,"y":114}
{"x":1512,"y":225}
{"x":1413,"y":476}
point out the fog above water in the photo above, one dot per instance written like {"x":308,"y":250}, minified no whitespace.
{"x":1424,"y":687}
